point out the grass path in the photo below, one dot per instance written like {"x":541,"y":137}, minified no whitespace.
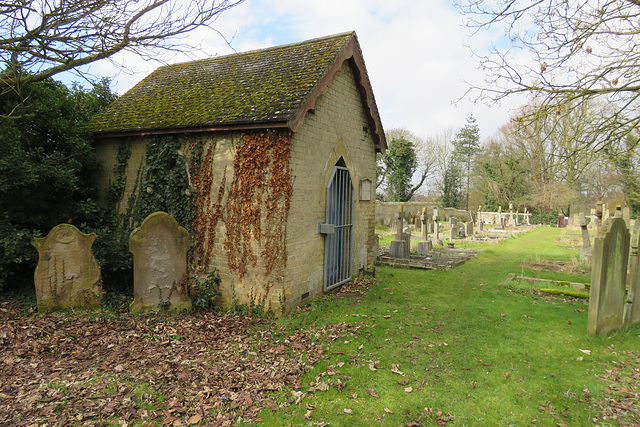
{"x":461,"y":347}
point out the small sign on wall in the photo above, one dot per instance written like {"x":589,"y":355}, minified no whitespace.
{"x":366,"y":189}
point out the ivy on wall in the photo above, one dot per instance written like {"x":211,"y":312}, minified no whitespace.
{"x":255,"y":210}
{"x":164,"y":184}
{"x":261,"y":180}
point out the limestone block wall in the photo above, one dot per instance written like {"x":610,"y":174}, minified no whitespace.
{"x":337,"y":129}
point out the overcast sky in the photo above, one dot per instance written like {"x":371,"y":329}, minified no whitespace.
{"x":416,"y":53}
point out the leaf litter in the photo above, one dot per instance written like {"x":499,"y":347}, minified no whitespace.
{"x":61,"y":369}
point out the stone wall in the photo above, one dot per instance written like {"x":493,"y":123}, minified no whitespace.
{"x":337,"y":128}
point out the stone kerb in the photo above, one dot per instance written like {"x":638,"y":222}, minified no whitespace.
{"x":159,"y":247}
{"x":67,"y":274}
{"x":608,"y":277}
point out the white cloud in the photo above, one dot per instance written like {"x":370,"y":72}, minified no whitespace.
{"x":414,"y":51}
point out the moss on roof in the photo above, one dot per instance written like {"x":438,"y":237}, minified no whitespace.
{"x":260,"y":86}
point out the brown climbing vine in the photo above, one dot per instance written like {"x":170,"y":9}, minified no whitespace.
{"x":258,"y":203}
{"x":207,"y":214}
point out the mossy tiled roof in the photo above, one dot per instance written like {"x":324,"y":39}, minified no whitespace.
{"x":261,"y":86}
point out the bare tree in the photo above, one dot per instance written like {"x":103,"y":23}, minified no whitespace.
{"x":563,"y":54}
{"x":40,"y":38}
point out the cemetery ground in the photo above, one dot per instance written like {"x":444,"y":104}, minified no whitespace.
{"x":413,"y":348}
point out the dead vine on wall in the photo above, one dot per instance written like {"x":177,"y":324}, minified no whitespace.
{"x":258,"y":202}
{"x":207,"y":214}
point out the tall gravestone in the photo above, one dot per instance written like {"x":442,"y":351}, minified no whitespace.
{"x":608,"y":277}
{"x":159,"y":247}
{"x":67,"y":274}
{"x":632,"y":310}
{"x":586,"y":250}
{"x":397,"y":248}
{"x":424,"y":246}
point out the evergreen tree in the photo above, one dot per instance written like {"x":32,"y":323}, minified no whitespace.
{"x":400,"y":160}
{"x":452,"y":185}
{"x":466,"y":147}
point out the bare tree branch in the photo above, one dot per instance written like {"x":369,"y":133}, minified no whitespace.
{"x":41,"y":38}
{"x":563,"y":55}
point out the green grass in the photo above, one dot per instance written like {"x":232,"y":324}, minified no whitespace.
{"x":474,"y":348}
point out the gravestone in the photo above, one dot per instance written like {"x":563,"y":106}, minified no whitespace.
{"x":586,"y":250}
{"x":159,"y":247}
{"x":608,"y":277}
{"x":480,"y":226}
{"x":67,"y":274}
{"x":594,"y":219}
{"x":626,"y":215}
{"x":632,"y":309}
{"x":599,"y":213}
{"x":468,"y":231}
{"x":397,"y":248}
{"x":424,"y":246}
{"x":436,"y":226}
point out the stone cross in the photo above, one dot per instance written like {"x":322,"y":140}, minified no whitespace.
{"x":159,"y":247}
{"x":425,"y":246}
{"x":586,"y":242}
{"x":424,"y":218}
{"x":397,"y":248}
{"x":67,"y":274}
{"x":608,"y":277}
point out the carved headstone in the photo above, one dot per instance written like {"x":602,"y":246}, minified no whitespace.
{"x":159,"y":248}
{"x":608,"y":277}
{"x":67,"y":274}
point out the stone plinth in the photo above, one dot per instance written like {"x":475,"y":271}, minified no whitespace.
{"x":67,"y":274}
{"x":159,"y":248}
{"x":397,"y":249}
{"x":425,"y":247}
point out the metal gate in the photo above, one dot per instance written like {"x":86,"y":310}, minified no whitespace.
{"x":338,"y":229}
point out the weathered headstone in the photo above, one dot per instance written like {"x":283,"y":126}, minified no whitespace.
{"x":397,"y":248}
{"x":626,"y":215}
{"x":468,"y":230}
{"x":159,"y":248}
{"x":608,"y":277}
{"x":480,"y":226}
{"x":67,"y":274}
{"x":586,"y":250}
{"x":632,"y":309}
{"x":599,"y":213}
{"x":594,"y":219}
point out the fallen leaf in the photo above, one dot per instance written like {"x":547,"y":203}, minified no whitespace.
{"x":403,"y":382}
{"x":388,"y":411}
{"x":372,"y":392}
{"x":195,"y":419}
{"x":395,"y":369}
{"x":585,"y":351}
{"x":348,"y":411}
{"x":408,"y":389}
